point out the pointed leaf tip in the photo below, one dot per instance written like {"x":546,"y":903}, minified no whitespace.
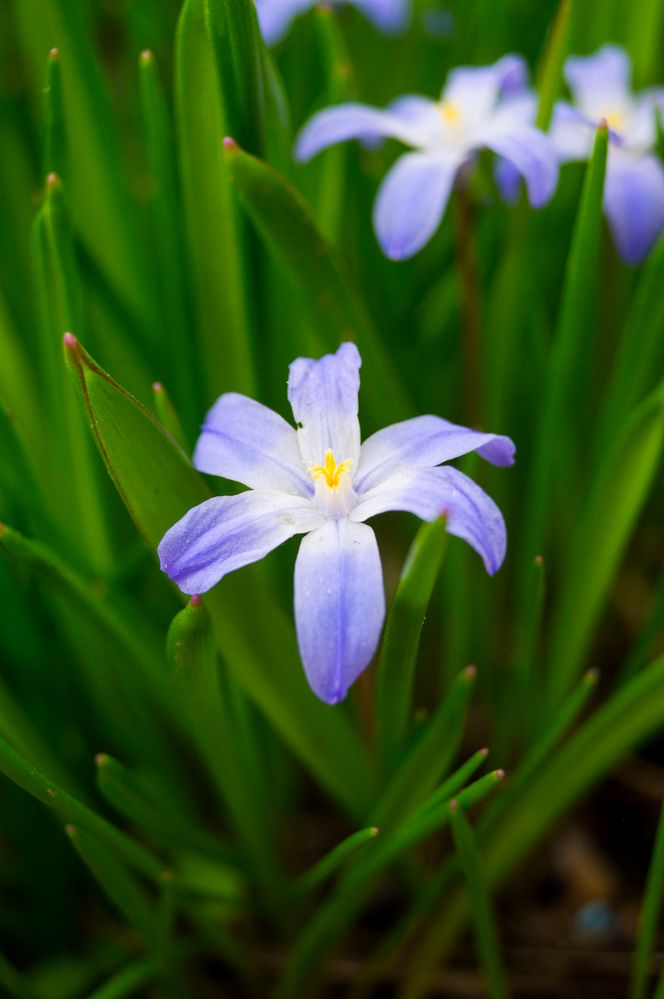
{"x":499,"y":774}
{"x":70,"y":341}
{"x":71,"y":830}
{"x":146,"y":57}
{"x":54,"y":53}
{"x":470,"y":672}
{"x":484,"y":751}
{"x":229,"y":143}
{"x":196,"y":600}
{"x":157,"y":387}
{"x":101,"y":759}
{"x":454,"y":804}
{"x":53,"y":181}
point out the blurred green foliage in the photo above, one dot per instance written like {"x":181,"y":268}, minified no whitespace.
{"x":226,"y":831}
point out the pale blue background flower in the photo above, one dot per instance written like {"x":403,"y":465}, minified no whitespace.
{"x":634,"y":188}
{"x":275,"y":16}
{"x":484,"y":107}
{"x":320,"y":481}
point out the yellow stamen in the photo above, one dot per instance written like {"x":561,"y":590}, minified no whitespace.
{"x":615,"y":119}
{"x":450,"y":112}
{"x":330,"y":470}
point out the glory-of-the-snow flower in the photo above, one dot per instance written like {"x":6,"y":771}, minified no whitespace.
{"x":320,"y":481}
{"x":485,"y":107}
{"x":634,"y":186}
{"x":275,"y":16}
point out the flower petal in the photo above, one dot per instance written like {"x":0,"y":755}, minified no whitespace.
{"x":339,"y":605}
{"x":530,"y":152}
{"x":412,"y":200}
{"x":572,"y":133}
{"x":420,"y":443}
{"x":433,"y":492}
{"x":227,"y":532}
{"x":388,"y":15}
{"x":634,"y":203}
{"x":353,"y":121}
{"x":245,"y":441}
{"x":323,"y":395}
{"x":600,"y":82}
{"x":475,"y":90}
{"x":275,"y":16}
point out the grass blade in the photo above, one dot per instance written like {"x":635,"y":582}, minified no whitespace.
{"x":649,"y":917}
{"x":402,"y":637}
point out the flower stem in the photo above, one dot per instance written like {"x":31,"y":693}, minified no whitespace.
{"x":469,"y":307}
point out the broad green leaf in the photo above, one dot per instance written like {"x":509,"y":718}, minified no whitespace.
{"x":290,"y":233}
{"x":603,"y":528}
{"x":402,"y":637}
{"x":215,"y":236}
{"x":158,"y":485}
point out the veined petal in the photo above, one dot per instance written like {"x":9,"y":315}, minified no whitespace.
{"x":432,"y":492}
{"x":412,"y":200}
{"x":249,"y":443}
{"x":388,"y":15}
{"x":339,"y":605}
{"x":275,"y":16}
{"x":323,"y":395}
{"x":353,"y":121}
{"x":228,"y":532}
{"x":423,"y":442}
{"x":634,"y":203}
{"x":531,"y":153}
{"x":600,"y":82}
{"x":475,"y":90}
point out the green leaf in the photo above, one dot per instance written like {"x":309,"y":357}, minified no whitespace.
{"x":429,"y":757}
{"x":402,"y":637}
{"x":124,"y":983}
{"x":649,"y":916}
{"x":289,"y":232}
{"x":551,"y":75}
{"x":158,"y":486}
{"x":27,"y":776}
{"x":486,"y":934}
{"x":328,"y":865}
{"x":215,"y":240}
{"x":167,"y":414}
{"x":115,"y":880}
{"x":55,"y":146}
{"x":603,"y":528}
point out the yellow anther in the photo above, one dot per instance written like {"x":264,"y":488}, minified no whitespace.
{"x":450,"y":112}
{"x":330,"y":470}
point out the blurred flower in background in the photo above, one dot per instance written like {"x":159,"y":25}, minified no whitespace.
{"x":275,"y":16}
{"x":634,"y":188}
{"x":486,"y":107}
{"x":319,"y":481}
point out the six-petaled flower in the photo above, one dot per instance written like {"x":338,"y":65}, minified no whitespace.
{"x":634,"y":186}
{"x":484,"y":107}
{"x":275,"y":16}
{"x":320,"y":481}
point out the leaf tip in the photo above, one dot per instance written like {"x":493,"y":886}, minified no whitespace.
{"x":146,"y":57}
{"x":484,"y":751}
{"x":498,"y":774}
{"x":538,"y":561}
{"x":229,"y":144}
{"x":196,"y":600}
{"x":54,"y":53}
{"x":52,"y":181}
{"x":70,"y":341}
{"x":470,"y":672}
{"x":454,"y":804}
{"x":71,"y":830}
{"x":157,"y":387}
{"x":102,"y":759}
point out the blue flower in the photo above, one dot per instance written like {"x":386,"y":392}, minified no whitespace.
{"x":275,"y":16}
{"x":480,"y":108}
{"x":634,"y":187}
{"x":320,"y":481}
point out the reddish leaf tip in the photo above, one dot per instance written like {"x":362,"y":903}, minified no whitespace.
{"x":196,"y":600}
{"x":470,"y":671}
{"x":146,"y":57}
{"x":484,"y":751}
{"x":454,"y":804}
{"x":54,"y":53}
{"x":499,"y":774}
{"x":157,"y":387}
{"x":229,"y":143}
{"x":70,"y":341}
{"x":101,"y":759}
{"x":375,"y":830}
{"x":52,"y":180}
{"x":538,"y":561}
